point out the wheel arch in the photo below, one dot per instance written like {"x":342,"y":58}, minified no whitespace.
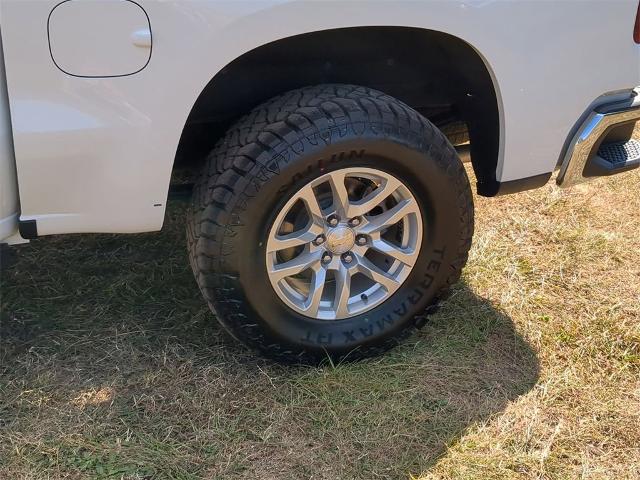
{"x":438,"y":74}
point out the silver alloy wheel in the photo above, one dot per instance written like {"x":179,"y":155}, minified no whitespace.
{"x":344,"y":243}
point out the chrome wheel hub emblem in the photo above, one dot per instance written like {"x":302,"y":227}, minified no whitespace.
{"x":340,"y":240}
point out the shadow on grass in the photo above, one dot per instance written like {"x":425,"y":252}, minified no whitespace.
{"x":111,"y":364}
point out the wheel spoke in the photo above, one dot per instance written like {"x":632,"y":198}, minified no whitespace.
{"x":405,"y":255}
{"x":343,"y":291}
{"x":390,"y":217}
{"x":316,"y":288}
{"x":376,"y":274}
{"x":339,"y":193}
{"x":295,"y":239}
{"x":374,"y":199}
{"x":308,"y":196}
{"x":296,"y":265}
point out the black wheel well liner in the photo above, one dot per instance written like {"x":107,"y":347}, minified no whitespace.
{"x":438,"y":74}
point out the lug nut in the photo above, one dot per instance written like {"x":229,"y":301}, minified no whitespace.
{"x":333,"y":220}
{"x":326,"y":258}
{"x":354,"y":222}
{"x":347,"y":257}
{"x":319,"y":240}
{"x":361,"y":240}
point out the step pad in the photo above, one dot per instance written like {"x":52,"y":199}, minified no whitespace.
{"x":620,"y":153}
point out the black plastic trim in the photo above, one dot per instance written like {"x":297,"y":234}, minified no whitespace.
{"x":495,"y":188}
{"x":599,"y":167}
{"x":28,"y":229}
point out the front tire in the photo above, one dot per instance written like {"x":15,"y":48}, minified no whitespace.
{"x":274,"y":238}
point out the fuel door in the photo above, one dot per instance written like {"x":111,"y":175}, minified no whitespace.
{"x":99,"y":38}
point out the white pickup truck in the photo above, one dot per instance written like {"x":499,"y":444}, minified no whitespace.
{"x":321,"y":140}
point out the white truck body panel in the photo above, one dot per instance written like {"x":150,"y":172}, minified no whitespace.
{"x":96,"y":154}
{"x":8,"y":187}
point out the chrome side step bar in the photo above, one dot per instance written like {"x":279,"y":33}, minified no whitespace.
{"x":591,"y":155}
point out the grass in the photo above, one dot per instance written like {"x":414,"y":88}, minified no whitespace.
{"x":111,"y":366}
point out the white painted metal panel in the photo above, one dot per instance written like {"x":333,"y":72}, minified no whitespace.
{"x":8,"y":191}
{"x":95,"y":154}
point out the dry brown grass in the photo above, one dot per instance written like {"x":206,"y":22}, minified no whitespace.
{"x":568,"y":264}
{"x":111,"y":366}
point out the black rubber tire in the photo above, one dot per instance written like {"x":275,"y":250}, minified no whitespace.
{"x":266,"y":157}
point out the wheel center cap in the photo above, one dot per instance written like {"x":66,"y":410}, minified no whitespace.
{"x":340,"y":239}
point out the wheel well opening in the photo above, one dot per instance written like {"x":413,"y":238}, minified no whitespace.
{"x":439,"y":75}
